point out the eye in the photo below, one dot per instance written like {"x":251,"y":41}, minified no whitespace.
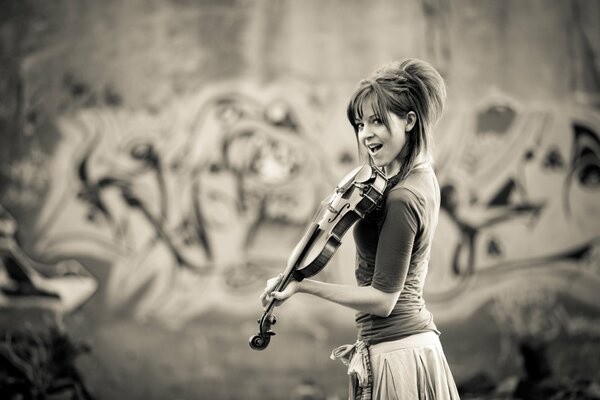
{"x":359,"y":126}
{"x":377,"y":121}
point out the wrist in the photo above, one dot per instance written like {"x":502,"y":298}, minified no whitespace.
{"x":299,"y":286}
{"x":304,"y":286}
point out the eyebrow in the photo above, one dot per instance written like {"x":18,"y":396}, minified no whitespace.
{"x":369,"y":118}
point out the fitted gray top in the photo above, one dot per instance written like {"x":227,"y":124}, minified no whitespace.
{"x":393,"y":247}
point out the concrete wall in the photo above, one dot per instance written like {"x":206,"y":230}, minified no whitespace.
{"x":177,"y":149}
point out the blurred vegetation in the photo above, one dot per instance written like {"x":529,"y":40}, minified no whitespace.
{"x":40,"y":365}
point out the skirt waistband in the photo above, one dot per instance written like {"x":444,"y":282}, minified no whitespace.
{"x":409,"y":342}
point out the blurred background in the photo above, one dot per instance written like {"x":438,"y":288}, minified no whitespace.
{"x":159,"y":160}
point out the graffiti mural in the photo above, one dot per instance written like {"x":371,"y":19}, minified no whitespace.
{"x":520,"y":189}
{"x":193,"y":207}
{"x":62,"y":286}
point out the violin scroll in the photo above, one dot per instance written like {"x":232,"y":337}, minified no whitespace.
{"x":261,"y":340}
{"x":258,"y":342}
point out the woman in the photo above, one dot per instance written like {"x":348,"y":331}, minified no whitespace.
{"x":398,"y":354}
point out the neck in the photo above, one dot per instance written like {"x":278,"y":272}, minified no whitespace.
{"x":391,"y":170}
{"x":422,"y":159}
{"x":394,"y":167}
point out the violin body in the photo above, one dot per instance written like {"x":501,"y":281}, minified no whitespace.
{"x":358,"y":193}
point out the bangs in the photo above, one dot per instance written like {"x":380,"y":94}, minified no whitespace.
{"x":368,"y":95}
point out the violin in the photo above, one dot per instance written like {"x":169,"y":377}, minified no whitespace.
{"x":358,"y":193}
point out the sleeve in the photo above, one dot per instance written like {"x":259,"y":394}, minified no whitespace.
{"x":396,"y":240}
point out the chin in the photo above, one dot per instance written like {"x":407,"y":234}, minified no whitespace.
{"x":378,"y":164}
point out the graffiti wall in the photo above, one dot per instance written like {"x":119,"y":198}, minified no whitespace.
{"x":194,"y":207}
{"x":520,"y":196}
{"x":516,"y":250}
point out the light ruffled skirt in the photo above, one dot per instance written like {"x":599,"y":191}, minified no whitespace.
{"x":414,"y":367}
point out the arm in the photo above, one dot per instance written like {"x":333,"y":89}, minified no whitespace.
{"x":394,"y":250}
{"x":361,"y":298}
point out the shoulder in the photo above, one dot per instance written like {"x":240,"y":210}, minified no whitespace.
{"x":422,"y":185}
{"x":417,"y":192}
{"x":403,"y":204}
{"x":402,"y":194}
{"x":408,"y":191}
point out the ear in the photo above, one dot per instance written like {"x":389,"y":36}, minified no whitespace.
{"x":411,"y":120}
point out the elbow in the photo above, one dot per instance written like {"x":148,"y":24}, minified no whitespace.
{"x":385,"y":304}
{"x":384,"y":309}
{"x":385,"y":312}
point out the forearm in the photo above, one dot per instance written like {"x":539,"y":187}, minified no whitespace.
{"x":361,"y":298}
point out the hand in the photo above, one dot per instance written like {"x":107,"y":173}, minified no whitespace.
{"x":266,"y":296}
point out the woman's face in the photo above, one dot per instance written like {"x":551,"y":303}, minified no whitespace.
{"x":382,"y":144}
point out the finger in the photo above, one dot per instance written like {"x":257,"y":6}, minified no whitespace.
{"x":263,"y":297}
{"x":272,"y":284}
{"x":281,"y":296}
{"x":278,"y":298}
{"x":266,"y":297}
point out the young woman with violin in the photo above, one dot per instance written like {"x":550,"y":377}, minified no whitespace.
{"x":398,"y":354}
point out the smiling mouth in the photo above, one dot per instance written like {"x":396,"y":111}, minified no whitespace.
{"x":374,"y":148}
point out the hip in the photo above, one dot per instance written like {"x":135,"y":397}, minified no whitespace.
{"x":417,"y":340}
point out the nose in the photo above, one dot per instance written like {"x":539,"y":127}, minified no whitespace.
{"x":365,"y":132}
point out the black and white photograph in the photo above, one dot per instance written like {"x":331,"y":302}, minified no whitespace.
{"x":300,"y":199}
